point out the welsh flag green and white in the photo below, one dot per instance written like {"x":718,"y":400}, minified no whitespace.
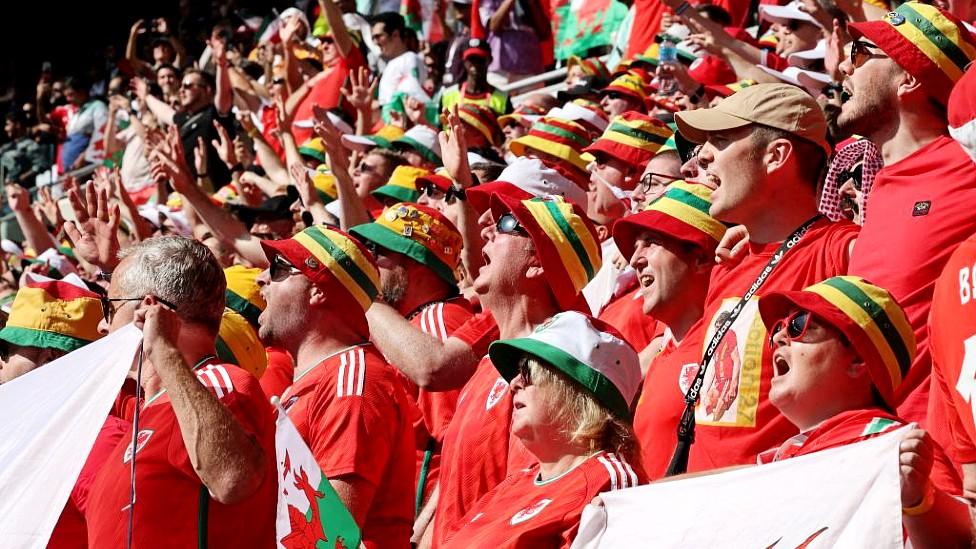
{"x":310,"y":513}
{"x":581,"y":25}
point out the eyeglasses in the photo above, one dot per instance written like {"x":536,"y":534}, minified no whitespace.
{"x":508,"y":224}
{"x":188,"y":85}
{"x":327,"y":40}
{"x":648,"y":181}
{"x":796,"y":325}
{"x":432,"y":192}
{"x":109,"y":309}
{"x":861,"y":52}
{"x":615,"y":95}
{"x":281,"y":269}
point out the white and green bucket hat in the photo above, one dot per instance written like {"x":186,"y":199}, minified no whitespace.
{"x":586,"y":349}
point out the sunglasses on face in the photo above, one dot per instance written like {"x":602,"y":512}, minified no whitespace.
{"x":432,"y":192}
{"x":508,"y":224}
{"x":188,"y":85}
{"x":861,"y":51}
{"x":281,"y":269}
{"x":796,"y":325}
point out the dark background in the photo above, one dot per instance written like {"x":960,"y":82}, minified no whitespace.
{"x":73,"y":35}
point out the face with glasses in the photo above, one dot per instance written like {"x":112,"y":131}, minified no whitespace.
{"x":616,"y":103}
{"x":533,"y":413}
{"x":795,"y":35}
{"x":870,"y":90}
{"x":813,"y":363}
{"x":508,"y":254}
{"x":194,"y":92}
{"x":286,"y":293}
{"x":371,"y":173}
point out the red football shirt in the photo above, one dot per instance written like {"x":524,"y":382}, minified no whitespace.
{"x":327,"y":93}
{"x":626,"y":314}
{"x":352,"y":412}
{"x":478,"y":450}
{"x":70,"y":530}
{"x":921,"y":209}
{"x":279,"y":374}
{"x":735,"y":420}
{"x":439,"y":319}
{"x":523,"y":511}
{"x":854,"y":426}
{"x":478,"y":332}
{"x":170,"y":498}
{"x":952,"y":327}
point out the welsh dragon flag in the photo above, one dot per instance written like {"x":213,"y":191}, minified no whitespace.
{"x":310,"y":513}
{"x":584,"y":24}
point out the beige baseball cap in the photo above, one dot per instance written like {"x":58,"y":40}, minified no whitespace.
{"x":781,"y":106}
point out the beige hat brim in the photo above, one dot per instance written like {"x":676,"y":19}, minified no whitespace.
{"x":695,"y":125}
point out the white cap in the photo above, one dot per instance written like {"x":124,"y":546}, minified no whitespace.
{"x":783,"y":14}
{"x":535,"y":178}
{"x":582,"y":348}
{"x":338,"y":122}
{"x":574,"y":112}
{"x":802,"y":58}
{"x":421,"y":137}
{"x":812,"y":81}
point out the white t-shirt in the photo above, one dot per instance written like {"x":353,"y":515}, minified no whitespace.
{"x":403,"y":73}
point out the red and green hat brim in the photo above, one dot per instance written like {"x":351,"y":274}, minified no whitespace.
{"x":312,"y":153}
{"x":378,"y":234}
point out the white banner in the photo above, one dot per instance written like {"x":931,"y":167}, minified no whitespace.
{"x":843,"y":497}
{"x":49,"y":419}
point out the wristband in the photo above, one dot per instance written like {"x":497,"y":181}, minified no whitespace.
{"x":682,"y":7}
{"x":202,"y":175}
{"x":456,"y":191}
{"x":924,"y":506}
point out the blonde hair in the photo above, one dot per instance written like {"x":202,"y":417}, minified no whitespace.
{"x":585,"y":420}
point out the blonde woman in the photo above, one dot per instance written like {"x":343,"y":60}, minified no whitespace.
{"x":572,"y":383}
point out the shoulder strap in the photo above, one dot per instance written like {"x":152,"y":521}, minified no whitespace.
{"x":686,"y":427}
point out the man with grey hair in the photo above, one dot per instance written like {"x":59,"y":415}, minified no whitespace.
{"x":205,"y":446}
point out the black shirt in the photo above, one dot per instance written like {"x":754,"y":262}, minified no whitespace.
{"x":200,"y":124}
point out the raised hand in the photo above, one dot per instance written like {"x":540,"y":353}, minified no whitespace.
{"x":360,"y":91}
{"x":18,"y":198}
{"x":303,"y":182}
{"x":95,"y":233}
{"x":47,"y":207}
{"x":224,"y":145}
{"x":454,"y":149}
{"x":915,"y":458}
{"x":200,"y":157}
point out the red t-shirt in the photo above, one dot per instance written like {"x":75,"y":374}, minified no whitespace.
{"x":434,"y":410}
{"x":854,"y":426}
{"x":524,"y":512}
{"x":169,"y":492}
{"x":327,"y":93}
{"x":952,"y":327}
{"x":352,"y":413}
{"x":478,"y":332}
{"x":735,"y":420}
{"x":279,"y":374}
{"x":71,"y":531}
{"x":626,"y":314}
{"x":478,"y":450}
{"x":921,"y":209}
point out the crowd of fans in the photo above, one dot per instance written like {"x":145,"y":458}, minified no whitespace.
{"x":481,"y":310}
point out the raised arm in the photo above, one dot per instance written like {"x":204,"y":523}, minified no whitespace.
{"x":454,"y":152}
{"x":343,"y":41}
{"x":34,"y":230}
{"x":229,"y":461}
{"x":160,"y":109}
